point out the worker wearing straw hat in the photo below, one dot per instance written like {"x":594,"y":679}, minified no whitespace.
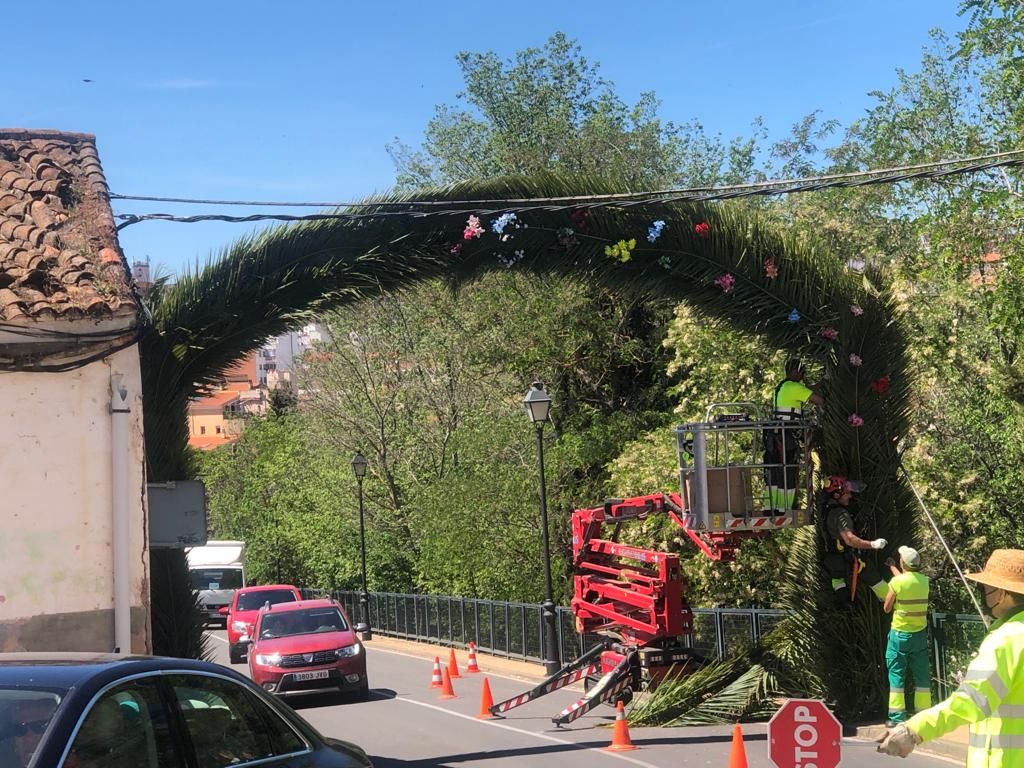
{"x":991,"y":698}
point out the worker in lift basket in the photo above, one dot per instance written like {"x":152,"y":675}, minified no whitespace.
{"x":840,"y":561}
{"x":787,"y":405}
{"x":991,"y":698}
{"x":907,"y":647}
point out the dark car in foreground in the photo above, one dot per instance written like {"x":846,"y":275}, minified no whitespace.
{"x":308,"y":646}
{"x":88,"y":710}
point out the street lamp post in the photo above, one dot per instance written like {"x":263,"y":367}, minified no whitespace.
{"x":538,"y":405}
{"x":359,"y":464}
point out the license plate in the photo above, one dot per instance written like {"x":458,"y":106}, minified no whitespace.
{"x":320,"y":674}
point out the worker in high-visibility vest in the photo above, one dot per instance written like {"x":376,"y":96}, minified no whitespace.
{"x":991,"y":697}
{"x":782,"y":447}
{"x":907,"y":648}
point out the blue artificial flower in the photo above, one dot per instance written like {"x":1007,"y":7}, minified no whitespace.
{"x":654,"y":231}
{"x":794,"y":316}
{"x":499,"y":224}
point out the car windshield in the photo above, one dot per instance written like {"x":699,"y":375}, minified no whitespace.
{"x":216,"y":578}
{"x":302,"y":622}
{"x":253,"y":601}
{"x":24,"y":716}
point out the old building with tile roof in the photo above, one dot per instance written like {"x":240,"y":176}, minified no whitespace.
{"x":63,"y":280}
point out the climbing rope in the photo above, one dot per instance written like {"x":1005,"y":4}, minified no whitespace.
{"x":952,"y":558}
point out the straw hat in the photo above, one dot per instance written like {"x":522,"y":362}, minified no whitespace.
{"x":1004,"y":570}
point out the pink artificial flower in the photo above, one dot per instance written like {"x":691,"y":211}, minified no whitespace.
{"x":704,"y":230}
{"x":829,"y":333}
{"x":725,"y":282}
{"x":456,"y":249}
{"x":473,"y":228}
{"x":855,"y":360}
{"x":855,"y":420}
{"x":770,"y":270}
{"x":856,"y":309}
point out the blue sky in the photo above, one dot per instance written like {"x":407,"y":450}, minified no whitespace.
{"x":277,"y":101}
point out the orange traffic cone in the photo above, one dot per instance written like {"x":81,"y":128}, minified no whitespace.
{"x":738,"y":754}
{"x":453,"y":665}
{"x":435,"y":679}
{"x":620,"y":735}
{"x":471,"y":666}
{"x":446,"y":689}
{"x":486,"y":702}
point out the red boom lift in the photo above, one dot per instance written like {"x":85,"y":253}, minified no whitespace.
{"x":634,"y":598}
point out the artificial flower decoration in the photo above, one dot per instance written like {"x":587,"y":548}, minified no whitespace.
{"x":498,"y":225}
{"x":622,"y":250}
{"x":703,"y":229}
{"x":855,"y":360}
{"x":856,"y":309}
{"x":654,"y":231}
{"x":793,"y":316}
{"x":665,"y":261}
{"x":580,"y":220}
{"x":567,"y":237}
{"x":726,"y":282}
{"x":829,"y":333}
{"x":473,"y":228}
{"x":770,"y":270}
{"x":456,"y":249}
{"x":855,"y":420}
{"x":881,"y":386}
{"x":510,"y":260}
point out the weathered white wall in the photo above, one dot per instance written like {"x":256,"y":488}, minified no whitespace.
{"x":56,"y":567}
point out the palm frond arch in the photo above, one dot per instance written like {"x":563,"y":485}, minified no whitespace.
{"x":727,"y":262}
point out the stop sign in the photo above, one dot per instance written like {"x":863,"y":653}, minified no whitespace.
{"x":804,"y":734}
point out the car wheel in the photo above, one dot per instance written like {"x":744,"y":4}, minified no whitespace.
{"x":234,"y":655}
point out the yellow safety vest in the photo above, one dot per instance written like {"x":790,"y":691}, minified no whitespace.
{"x":910,"y":613}
{"x":990,"y":699}
{"x":790,"y":397}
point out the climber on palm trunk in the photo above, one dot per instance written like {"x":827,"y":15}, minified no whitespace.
{"x":840,"y":560}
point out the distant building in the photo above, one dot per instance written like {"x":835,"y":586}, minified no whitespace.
{"x":217,"y":418}
{"x":985,"y":273}
{"x":280,"y":354}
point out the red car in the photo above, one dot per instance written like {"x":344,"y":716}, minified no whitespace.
{"x":245,"y":607}
{"x":308,"y":646}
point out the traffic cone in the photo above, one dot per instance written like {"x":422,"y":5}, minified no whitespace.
{"x":471,"y":666}
{"x":446,"y":689}
{"x":620,"y":734}
{"x":486,"y":702}
{"x":435,"y":679}
{"x":738,"y":753}
{"x":453,"y":665}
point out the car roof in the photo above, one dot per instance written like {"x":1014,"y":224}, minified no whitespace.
{"x":67,"y":670}
{"x":267,"y":588}
{"x":298,"y":605}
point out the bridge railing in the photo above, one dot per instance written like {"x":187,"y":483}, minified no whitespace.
{"x":515,"y":630}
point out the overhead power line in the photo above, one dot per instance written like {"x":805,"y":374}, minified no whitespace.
{"x":423,"y":208}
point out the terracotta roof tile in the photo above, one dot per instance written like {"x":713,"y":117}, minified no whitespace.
{"x":59,"y":255}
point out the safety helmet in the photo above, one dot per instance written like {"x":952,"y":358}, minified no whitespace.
{"x":837,"y":484}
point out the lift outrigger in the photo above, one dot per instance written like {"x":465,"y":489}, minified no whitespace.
{"x":634,"y":599}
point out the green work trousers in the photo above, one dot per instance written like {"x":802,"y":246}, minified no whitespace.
{"x":907,"y":651}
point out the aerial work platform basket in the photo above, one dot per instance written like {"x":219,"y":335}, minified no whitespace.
{"x":725,"y":472}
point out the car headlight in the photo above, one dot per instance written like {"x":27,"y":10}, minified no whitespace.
{"x":239,"y":626}
{"x":268,"y":659}
{"x":348,"y":651}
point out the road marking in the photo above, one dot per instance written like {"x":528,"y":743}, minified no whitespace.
{"x":503,"y":726}
{"x":483,"y":672}
{"x":215,"y":637}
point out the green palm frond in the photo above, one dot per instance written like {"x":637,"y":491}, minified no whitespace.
{"x":264,"y":284}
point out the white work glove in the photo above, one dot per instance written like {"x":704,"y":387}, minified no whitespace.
{"x":879,"y":544}
{"x":898,"y":742}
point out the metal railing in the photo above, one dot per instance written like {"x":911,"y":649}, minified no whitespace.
{"x":515,"y":630}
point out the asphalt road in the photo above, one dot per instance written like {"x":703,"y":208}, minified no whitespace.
{"x":406,"y":725}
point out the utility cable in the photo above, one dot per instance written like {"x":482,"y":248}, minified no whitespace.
{"x":1014,"y":157}
{"x":428,"y":208}
{"x":952,"y":558}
